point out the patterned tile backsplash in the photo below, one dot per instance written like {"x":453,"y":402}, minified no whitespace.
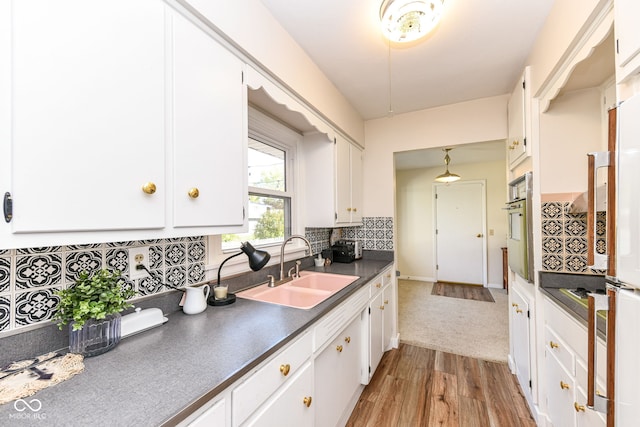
{"x":564,"y":239}
{"x":375,"y":233}
{"x":29,"y":277}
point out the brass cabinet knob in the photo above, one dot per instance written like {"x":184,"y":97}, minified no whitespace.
{"x":194,"y":193}
{"x":564,"y":385}
{"x":307,"y":401}
{"x":386,"y":301}
{"x":355,"y":209}
{"x":285,"y":369}
{"x":339,"y":348}
{"x":382,"y":307}
{"x":514,"y":145}
{"x":519,"y":311}
{"x":553,"y":344}
{"x":378,"y":285}
{"x":513,"y":304}
{"x":347,"y":340}
{"x":348,"y":209}
{"x":578,"y":407}
{"x":149,"y":188}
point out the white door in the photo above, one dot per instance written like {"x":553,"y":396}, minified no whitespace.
{"x":460,"y":240}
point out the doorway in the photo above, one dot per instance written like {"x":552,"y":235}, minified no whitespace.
{"x":460,"y":236}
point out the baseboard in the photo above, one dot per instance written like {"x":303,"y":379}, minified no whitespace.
{"x":417,"y":278}
{"x":511,"y":363}
{"x":395,"y":341}
{"x":495,"y":285}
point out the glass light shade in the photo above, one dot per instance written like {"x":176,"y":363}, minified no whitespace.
{"x":404,"y":21}
{"x":447,"y":177}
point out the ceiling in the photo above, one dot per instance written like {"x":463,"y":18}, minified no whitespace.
{"x":460,"y":154}
{"x":477,"y":51}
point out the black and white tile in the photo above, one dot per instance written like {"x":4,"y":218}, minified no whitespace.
{"x":29,"y":277}
{"x":35,"y":306}
{"x":34,"y":271}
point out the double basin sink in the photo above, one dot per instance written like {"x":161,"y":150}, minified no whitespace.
{"x":304,"y":292}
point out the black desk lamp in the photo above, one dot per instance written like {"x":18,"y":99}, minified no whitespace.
{"x":257,"y":258}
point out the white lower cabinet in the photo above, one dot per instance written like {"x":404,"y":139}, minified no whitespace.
{"x":292,"y":405}
{"x":566,"y":373}
{"x":520,"y":323}
{"x":316,"y":379}
{"x":337,"y":375}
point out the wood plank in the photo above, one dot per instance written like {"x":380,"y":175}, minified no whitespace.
{"x":443,"y":400}
{"x":414,"y":410}
{"x":473,"y":413}
{"x":500,"y":405}
{"x":445,"y":362}
{"x":386,"y":412}
{"x":469,"y":378}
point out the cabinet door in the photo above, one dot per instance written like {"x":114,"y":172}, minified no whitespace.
{"x":376,"y":331}
{"x":292,"y":405}
{"x":88,"y":110}
{"x":337,"y":375}
{"x":216,"y":416}
{"x":209,"y":117}
{"x":517,"y":131}
{"x":520,"y":337}
{"x":560,"y":393}
{"x":388,"y":317}
{"x":626,"y":28}
{"x":355,"y":157}
{"x":343,"y":181}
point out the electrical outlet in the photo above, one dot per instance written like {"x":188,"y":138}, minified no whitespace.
{"x":138,"y":256}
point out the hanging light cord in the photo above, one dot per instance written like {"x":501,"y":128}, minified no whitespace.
{"x":390,"y":112}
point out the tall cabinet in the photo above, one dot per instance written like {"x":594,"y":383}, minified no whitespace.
{"x":519,"y":113}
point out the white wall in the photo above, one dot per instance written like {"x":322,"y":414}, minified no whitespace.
{"x":571,"y":128}
{"x":473,"y":121}
{"x":414,"y":199}
{"x":249,"y":24}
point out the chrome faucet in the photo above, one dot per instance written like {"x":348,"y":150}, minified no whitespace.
{"x":284,"y":279}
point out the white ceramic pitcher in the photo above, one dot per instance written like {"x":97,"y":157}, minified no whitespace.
{"x":195,"y":299}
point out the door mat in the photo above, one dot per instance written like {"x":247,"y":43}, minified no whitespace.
{"x":27,"y":377}
{"x":457,"y":290}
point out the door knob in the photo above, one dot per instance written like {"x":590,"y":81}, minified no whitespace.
{"x":479,"y":235}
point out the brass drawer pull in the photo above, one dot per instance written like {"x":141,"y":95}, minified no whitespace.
{"x":307,"y":401}
{"x":553,"y":344}
{"x":339,"y":348}
{"x":194,"y":193}
{"x":149,"y":188}
{"x":347,"y":340}
{"x":285,"y":369}
{"x":578,"y":407}
{"x":564,"y":385}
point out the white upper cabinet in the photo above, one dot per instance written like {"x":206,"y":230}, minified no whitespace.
{"x":127,"y":121}
{"x":333,"y":181}
{"x":87,"y":118}
{"x":519,"y":112}
{"x":627,"y":38}
{"x":209,"y":130}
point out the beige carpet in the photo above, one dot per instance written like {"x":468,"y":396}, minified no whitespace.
{"x":470,"y":328}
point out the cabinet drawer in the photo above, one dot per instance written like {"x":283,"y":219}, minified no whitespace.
{"x":559,"y":348}
{"x":581,"y":371}
{"x":386,"y":278}
{"x":376,"y":285}
{"x":566,"y":327}
{"x":339,"y":317}
{"x":256,"y":388}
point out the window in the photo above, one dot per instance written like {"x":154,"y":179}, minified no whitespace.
{"x":270,"y":182}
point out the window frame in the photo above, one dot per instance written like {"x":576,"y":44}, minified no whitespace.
{"x":268,"y":130}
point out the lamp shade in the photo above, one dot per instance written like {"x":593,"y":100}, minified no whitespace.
{"x":257,"y":258}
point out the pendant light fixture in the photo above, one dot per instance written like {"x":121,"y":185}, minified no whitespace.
{"x":404,"y":21}
{"x":447,"y":176}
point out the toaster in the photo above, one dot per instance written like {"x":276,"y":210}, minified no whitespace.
{"x":347,"y":250}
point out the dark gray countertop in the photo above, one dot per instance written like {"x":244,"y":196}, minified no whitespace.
{"x":551,"y":283}
{"x":160,"y":376}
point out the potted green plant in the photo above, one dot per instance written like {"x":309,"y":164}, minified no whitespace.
{"x":91,"y":307}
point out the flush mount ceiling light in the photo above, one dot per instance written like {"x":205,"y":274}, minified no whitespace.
{"x":404,"y":21}
{"x":447,"y":176}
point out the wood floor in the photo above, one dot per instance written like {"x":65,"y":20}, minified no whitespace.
{"x":456,"y":290}
{"x":414,"y":386}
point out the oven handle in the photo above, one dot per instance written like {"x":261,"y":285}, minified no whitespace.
{"x":595,"y":400}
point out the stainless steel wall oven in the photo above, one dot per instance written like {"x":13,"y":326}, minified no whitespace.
{"x":520,"y":231}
